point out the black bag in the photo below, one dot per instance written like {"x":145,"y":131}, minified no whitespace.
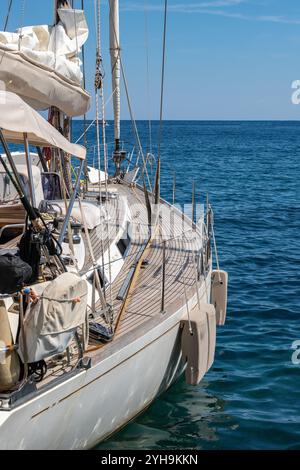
{"x":30,"y":252}
{"x":14,"y":273}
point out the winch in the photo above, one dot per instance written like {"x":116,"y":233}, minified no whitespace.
{"x":75,"y":227}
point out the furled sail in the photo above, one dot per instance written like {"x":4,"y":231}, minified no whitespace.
{"x":115,"y":64}
{"x":42,"y":64}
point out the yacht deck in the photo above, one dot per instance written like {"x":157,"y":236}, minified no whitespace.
{"x":182,"y":245}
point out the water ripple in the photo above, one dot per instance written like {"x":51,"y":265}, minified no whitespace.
{"x":250,"y":397}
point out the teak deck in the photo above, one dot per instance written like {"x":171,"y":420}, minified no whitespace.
{"x":182,"y":243}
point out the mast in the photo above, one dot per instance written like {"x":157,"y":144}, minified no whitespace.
{"x":57,"y":4}
{"x":61,"y":121}
{"x":114,"y":40}
{"x":60,"y":4}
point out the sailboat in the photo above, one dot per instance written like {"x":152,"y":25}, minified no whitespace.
{"x":107,"y":291}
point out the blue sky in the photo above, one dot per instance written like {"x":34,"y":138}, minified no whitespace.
{"x":226,"y":59}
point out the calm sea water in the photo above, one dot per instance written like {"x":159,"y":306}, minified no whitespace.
{"x":250,"y":398}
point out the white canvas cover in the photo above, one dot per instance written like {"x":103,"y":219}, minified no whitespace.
{"x":7,"y":188}
{"x":42,"y":64}
{"x":94,"y":215}
{"x":17,"y":118}
{"x":93,"y":175}
{"x":37,"y":181}
{"x":51,"y":322}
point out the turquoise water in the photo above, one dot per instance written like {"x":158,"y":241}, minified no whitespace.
{"x":250,"y":398}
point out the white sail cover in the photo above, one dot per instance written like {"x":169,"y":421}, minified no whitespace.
{"x":114,"y":38}
{"x":42,"y":64}
{"x":17,"y":118}
{"x":51,"y":322}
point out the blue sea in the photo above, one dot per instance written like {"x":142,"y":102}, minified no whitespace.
{"x":250,"y":397}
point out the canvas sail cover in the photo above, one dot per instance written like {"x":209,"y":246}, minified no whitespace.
{"x":42,"y":64}
{"x":50,"y":323}
{"x":17,"y":118}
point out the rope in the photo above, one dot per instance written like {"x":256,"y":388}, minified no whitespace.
{"x":98,"y":85}
{"x":64,"y":191}
{"x":84,"y":117}
{"x":99,"y":89}
{"x":85,"y":132}
{"x":215,"y":246}
{"x":8,"y":14}
{"x":162,"y":82}
{"x":187,"y":309}
{"x":22,"y":328}
{"x":98,"y":143}
{"x":104,"y":138}
{"x":196,"y":280}
{"x":185,"y":294}
{"x":94,"y":120}
{"x":62,"y":301}
{"x":104,"y":147}
{"x":161,"y":101}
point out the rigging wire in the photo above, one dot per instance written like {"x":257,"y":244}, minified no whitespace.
{"x":22,"y":16}
{"x":157,"y":195}
{"x":84,"y":117}
{"x":100,"y":87}
{"x":150,"y":156}
{"x":8,"y":15}
{"x":97,"y":85}
{"x":100,"y":91}
{"x":148,"y":75}
{"x":104,"y":147}
{"x":94,"y":120}
{"x":135,"y":129}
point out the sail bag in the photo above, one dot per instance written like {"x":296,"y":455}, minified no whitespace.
{"x":14,"y":272}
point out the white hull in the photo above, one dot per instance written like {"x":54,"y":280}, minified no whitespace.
{"x":113,"y":266}
{"x":84,"y":410}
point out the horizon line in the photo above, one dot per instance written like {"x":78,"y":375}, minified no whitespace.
{"x":198,"y":120}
